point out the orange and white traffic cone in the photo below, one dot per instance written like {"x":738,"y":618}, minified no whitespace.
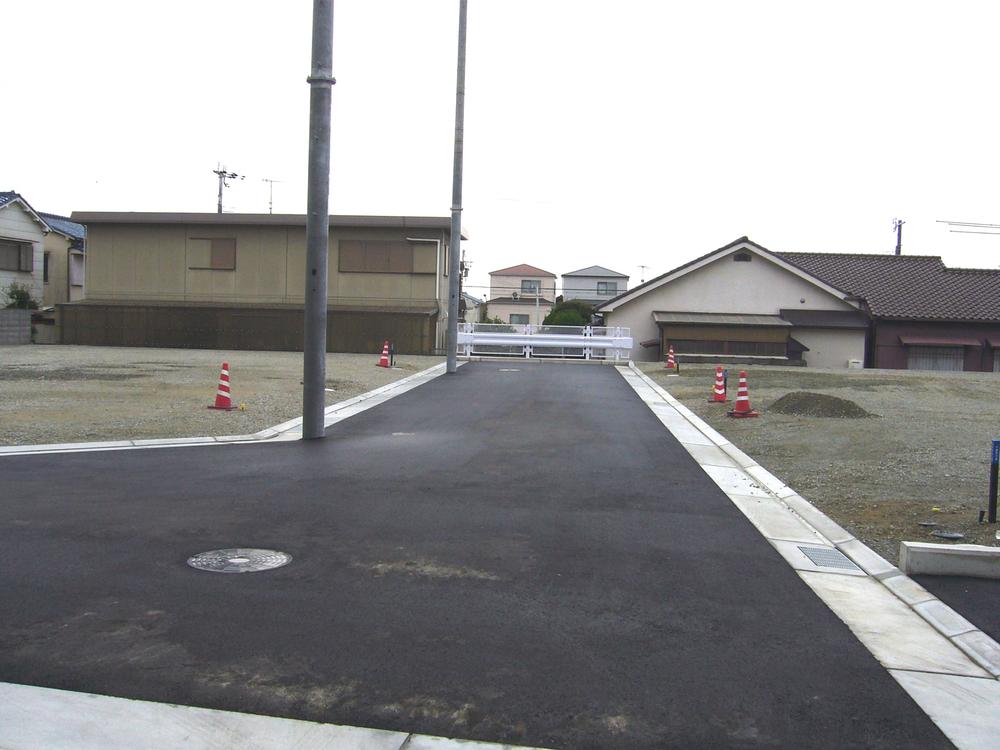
{"x":719,"y":391}
{"x":742,"y":408}
{"x":223,"y":402}
{"x":671,"y":362}
{"x":384,"y":361}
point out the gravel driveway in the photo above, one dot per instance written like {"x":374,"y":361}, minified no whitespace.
{"x":928,"y":448}
{"x":56,"y":394}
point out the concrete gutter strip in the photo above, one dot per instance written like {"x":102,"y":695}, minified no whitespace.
{"x":973,"y":560}
{"x":35,"y":717}
{"x":915,"y":557}
{"x":290,"y":430}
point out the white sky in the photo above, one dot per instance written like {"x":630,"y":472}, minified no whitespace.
{"x":610,"y":133}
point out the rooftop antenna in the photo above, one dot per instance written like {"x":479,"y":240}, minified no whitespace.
{"x":223,"y":176}
{"x":270,"y":193}
{"x":897,"y":227}
{"x":642,"y":274}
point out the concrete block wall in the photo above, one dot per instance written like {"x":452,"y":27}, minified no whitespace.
{"x":15,"y":326}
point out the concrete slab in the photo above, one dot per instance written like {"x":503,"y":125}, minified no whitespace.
{"x":708,"y":455}
{"x":817,"y":519}
{"x":897,"y":636}
{"x":735,"y":481}
{"x":870,"y":561}
{"x":974,"y":560}
{"x":982,"y":649}
{"x":967,"y":710}
{"x":775,"y":521}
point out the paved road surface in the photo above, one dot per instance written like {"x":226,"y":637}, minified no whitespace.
{"x":534,"y":559}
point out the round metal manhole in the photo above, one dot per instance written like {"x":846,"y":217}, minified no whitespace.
{"x":239,"y":560}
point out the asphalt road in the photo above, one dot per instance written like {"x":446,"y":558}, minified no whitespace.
{"x":531,"y":559}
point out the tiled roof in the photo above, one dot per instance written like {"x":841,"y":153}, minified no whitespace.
{"x":65,"y":226}
{"x":916,"y":287}
{"x":7,"y":196}
{"x":522,"y":270}
{"x":597,"y":271}
{"x":519,"y":301}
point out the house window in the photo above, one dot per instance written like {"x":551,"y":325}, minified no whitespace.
{"x":743,"y":257}
{"x":375,"y":256}
{"x":607,"y":288}
{"x":518,"y":320}
{"x":16,"y":256}
{"x":532,"y":287}
{"x":45,"y":267}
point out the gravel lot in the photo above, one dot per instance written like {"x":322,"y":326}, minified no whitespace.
{"x":878,"y":477}
{"x":56,"y":394}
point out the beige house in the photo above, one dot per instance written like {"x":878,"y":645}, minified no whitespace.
{"x":521,"y":294}
{"x":238,"y":281}
{"x":22,"y":238}
{"x":63,"y":262}
{"x":742,"y":303}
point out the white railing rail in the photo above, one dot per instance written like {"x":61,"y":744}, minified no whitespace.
{"x":523,"y":340}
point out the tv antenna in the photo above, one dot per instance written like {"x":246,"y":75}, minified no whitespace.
{"x":897,"y":227}
{"x":224,"y":176}
{"x":642,"y":274}
{"x":270,"y":193}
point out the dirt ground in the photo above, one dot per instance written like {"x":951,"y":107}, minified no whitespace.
{"x":57,"y":394}
{"x":924,"y":457}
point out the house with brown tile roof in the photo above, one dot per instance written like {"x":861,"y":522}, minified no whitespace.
{"x":924,"y":315}
{"x":743,"y":302}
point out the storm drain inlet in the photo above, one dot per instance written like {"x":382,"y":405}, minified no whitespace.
{"x":824,"y":557}
{"x":239,"y":560}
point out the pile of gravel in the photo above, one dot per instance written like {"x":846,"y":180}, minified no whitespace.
{"x":805,"y":404}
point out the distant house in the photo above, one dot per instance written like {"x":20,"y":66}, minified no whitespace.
{"x":237,"y":281}
{"x":469,"y":308}
{"x":521,"y":294}
{"x":63,"y":263}
{"x":593,"y":284}
{"x":742,"y":303}
{"x":22,"y":240}
{"x":924,"y":315}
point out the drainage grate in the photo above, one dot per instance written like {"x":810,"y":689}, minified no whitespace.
{"x":239,"y":560}
{"x":823,"y":557}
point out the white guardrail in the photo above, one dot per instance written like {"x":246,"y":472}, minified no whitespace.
{"x":568,"y":342}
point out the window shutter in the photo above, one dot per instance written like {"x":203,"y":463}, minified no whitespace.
{"x":27,"y":258}
{"x":224,"y":254}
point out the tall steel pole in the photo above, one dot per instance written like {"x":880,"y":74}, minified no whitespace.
{"x":455,"y":241}
{"x":321,"y":82}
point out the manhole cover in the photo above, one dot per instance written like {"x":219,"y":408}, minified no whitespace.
{"x":239,"y":560}
{"x":823,"y":557}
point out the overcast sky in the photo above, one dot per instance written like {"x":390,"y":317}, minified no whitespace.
{"x":620,"y":134}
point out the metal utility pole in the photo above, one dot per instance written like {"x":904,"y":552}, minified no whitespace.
{"x":897,"y":225}
{"x":454,"y":253}
{"x":223,"y":175}
{"x":270,"y":193}
{"x":321,"y":83}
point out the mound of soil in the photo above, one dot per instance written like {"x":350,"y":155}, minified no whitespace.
{"x":807,"y":404}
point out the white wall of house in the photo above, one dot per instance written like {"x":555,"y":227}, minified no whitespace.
{"x":830,"y":347}
{"x":758,"y":287}
{"x":593,"y":288}
{"x":504,"y":310}
{"x":502,"y":286}
{"x":18,"y":225}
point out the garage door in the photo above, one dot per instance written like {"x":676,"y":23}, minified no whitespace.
{"x":935,"y":358}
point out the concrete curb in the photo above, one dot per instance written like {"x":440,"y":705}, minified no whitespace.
{"x":976,"y":560}
{"x":977,"y":645}
{"x":290,"y":430}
